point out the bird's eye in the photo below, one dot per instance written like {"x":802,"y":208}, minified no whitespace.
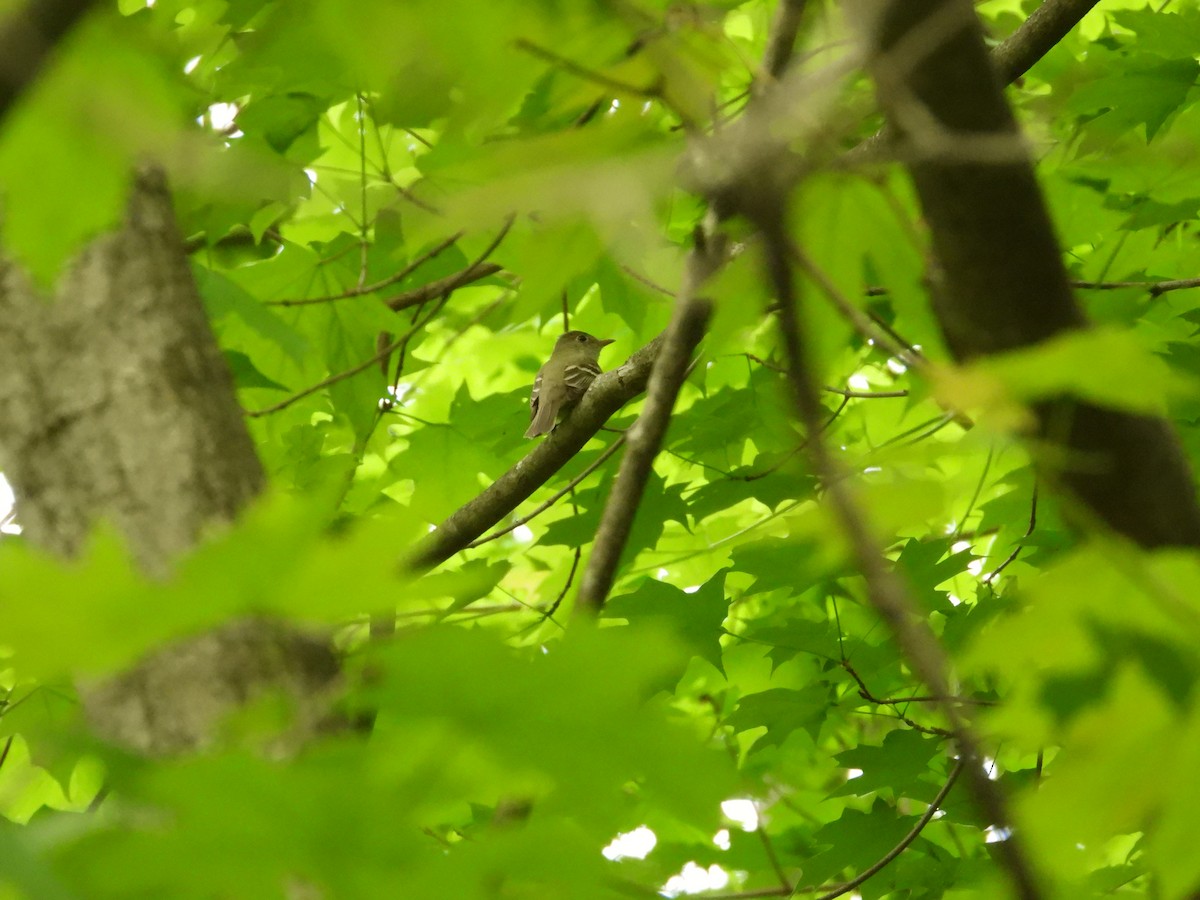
{"x":582,"y":338}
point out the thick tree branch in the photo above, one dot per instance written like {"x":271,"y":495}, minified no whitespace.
{"x":1045,"y":27}
{"x":608,"y":393}
{"x":1002,"y":284}
{"x":721,"y":169}
{"x":1012,"y":58}
{"x":27,"y":38}
{"x":558,"y":495}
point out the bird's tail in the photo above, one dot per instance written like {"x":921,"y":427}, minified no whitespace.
{"x":543,"y":421}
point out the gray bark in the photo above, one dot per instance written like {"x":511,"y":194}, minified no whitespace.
{"x":179,"y":698}
{"x":115,"y":400}
{"x":117,"y":405}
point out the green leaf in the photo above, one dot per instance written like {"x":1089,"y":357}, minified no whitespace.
{"x":695,"y":615}
{"x":781,"y":711}
{"x":1146,"y":90}
{"x":245,"y":375}
{"x":900,"y":766}
{"x":68,"y":148}
{"x":857,"y":840}
{"x":1131,"y":378}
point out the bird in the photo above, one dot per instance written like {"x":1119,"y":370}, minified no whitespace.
{"x":570,"y":371}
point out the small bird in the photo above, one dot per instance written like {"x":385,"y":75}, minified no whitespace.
{"x":569,"y":372}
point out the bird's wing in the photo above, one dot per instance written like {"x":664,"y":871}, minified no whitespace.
{"x":534,"y":394}
{"x":578,"y":377}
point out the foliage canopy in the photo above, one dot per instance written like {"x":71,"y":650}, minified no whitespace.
{"x":529,"y":152}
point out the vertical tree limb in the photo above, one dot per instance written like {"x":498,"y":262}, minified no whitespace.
{"x":687,"y":328}
{"x":1012,"y":58}
{"x":886,"y":592}
{"x":1002,"y":284}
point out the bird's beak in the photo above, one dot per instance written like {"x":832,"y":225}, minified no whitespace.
{"x":608,"y":341}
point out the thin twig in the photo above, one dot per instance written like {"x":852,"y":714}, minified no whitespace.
{"x":866,"y":325}
{"x":1017,"y":550}
{"x":861,"y":321}
{"x":1153,"y":288}
{"x":362,"y":168}
{"x":472,"y":273}
{"x":653,"y":91}
{"x":925,"y":655}
{"x":987,"y":466}
{"x":964,"y":701}
{"x":871,"y":871}
{"x":773,"y":858}
{"x":553,"y":608}
{"x":387,"y":350}
{"x":865,"y":693}
{"x":353,"y":370}
{"x":864,"y":395}
{"x":478,"y":611}
{"x":378,"y":285}
{"x":653,"y":285}
{"x":858,"y":395}
{"x":558,"y":495}
{"x":913,"y":833}
{"x":798,"y":448}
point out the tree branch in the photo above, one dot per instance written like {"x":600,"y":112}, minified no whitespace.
{"x":1011,"y":59}
{"x":426,"y":292}
{"x":781,"y":42}
{"x":872,"y":870}
{"x":608,"y":393}
{"x":558,"y":495}
{"x":687,"y":328}
{"x":1153,"y":288}
{"x":388,"y":349}
{"x":886,"y":592}
{"x":1002,"y":284}
{"x":383,"y":354}
{"x":378,"y":285}
{"x":912,"y":835}
{"x":1037,"y":35}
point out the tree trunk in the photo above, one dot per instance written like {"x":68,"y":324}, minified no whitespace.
{"x":118,"y":405}
{"x":116,"y":401}
{"x":1002,"y":284}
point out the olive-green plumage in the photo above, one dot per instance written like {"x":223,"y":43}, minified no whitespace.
{"x":571,"y":369}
